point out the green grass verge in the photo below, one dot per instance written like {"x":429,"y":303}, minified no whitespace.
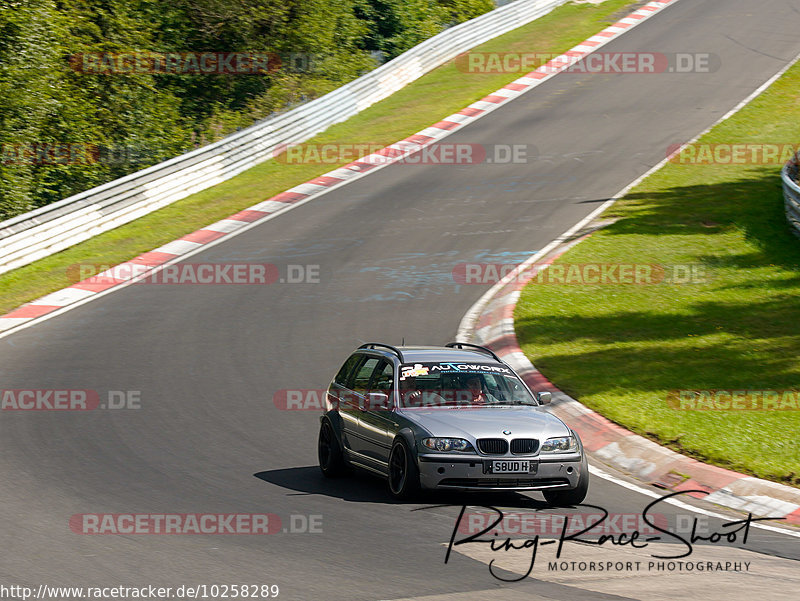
{"x":620,"y":349}
{"x":418,"y":105}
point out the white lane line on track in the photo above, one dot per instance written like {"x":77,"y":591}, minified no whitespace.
{"x":681,"y":504}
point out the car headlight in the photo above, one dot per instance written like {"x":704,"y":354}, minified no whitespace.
{"x":562,"y":444}
{"x":447,"y":444}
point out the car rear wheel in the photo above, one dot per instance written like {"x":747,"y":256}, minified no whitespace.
{"x":403,"y":472}
{"x":331,"y":459}
{"x":566,"y":498}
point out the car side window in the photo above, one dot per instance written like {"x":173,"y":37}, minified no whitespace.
{"x":363,"y":375}
{"x":383,"y":379}
{"x":343,"y":377}
{"x":519,"y":393}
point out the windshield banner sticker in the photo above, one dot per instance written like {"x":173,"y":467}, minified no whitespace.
{"x":412,"y":371}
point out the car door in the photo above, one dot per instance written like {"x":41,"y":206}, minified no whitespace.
{"x":355,"y":405}
{"x":377,"y":423}
{"x":343,"y":395}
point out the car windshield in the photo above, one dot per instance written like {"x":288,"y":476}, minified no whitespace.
{"x":447,"y":384}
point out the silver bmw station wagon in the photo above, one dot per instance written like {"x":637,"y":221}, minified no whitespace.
{"x":452,"y":417}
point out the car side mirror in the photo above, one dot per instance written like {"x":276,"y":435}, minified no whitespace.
{"x":378,"y":401}
{"x":545,"y":398}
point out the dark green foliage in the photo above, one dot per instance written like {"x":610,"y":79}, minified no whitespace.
{"x":397,"y":25}
{"x":63,"y":131}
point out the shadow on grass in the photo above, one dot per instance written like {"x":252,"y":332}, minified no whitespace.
{"x":746,"y":357}
{"x":751,"y":203}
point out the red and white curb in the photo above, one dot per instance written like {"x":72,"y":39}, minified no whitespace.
{"x":492,"y":325}
{"x":235,"y":224}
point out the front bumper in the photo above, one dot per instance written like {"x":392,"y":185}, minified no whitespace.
{"x":448,"y":471}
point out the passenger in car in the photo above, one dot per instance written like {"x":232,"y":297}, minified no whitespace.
{"x":412,"y":396}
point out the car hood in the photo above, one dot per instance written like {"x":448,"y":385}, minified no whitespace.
{"x":488,"y":422}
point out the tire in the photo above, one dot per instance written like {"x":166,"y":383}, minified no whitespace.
{"x":329,"y":452}
{"x":573,"y":496}
{"x":403,"y":472}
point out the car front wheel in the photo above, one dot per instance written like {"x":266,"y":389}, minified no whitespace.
{"x":403,"y":472}
{"x":331,"y":459}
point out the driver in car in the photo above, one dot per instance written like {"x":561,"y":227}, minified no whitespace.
{"x":478,"y":395}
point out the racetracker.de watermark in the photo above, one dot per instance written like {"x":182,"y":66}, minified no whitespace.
{"x":176,"y":63}
{"x":194,"y":523}
{"x":221,"y":274}
{"x":309,"y":399}
{"x":594,"y":63}
{"x":734,"y":400}
{"x":406,"y":153}
{"x":581,"y":274}
{"x":46,"y":154}
{"x":732,"y":154}
{"x":51,"y":399}
{"x":557,"y":524}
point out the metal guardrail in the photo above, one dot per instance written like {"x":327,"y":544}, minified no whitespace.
{"x":52,"y":228}
{"x":790,"y":174}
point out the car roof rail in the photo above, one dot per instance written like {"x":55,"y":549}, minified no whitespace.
{"x":462,"y":345}
{"x":394,"y":349}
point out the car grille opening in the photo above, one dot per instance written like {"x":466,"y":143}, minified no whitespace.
{"x":505,"y":482}
{"x":524,"y":446}
{"x":493,"y":446}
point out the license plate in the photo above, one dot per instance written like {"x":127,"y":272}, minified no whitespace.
{"x":513,"y":466}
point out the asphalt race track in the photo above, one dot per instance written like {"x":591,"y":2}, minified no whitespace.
{"x":208,"y":359}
